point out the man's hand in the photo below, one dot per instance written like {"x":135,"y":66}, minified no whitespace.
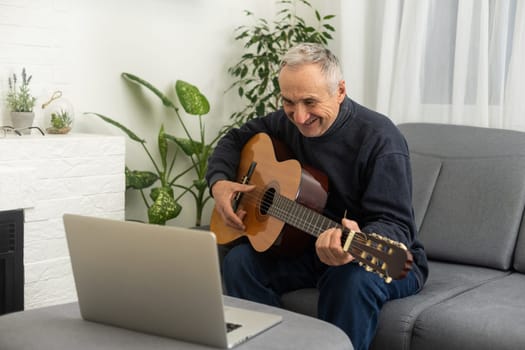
{"x":224,"y":192}
{"x":328,"y":245}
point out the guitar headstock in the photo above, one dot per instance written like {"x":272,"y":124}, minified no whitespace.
{"x":384,"y":256}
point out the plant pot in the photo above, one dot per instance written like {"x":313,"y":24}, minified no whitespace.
{"x":64,"y":130}
{"x":22,"y":120}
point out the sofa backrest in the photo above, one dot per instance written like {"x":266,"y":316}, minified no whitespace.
{"x":469,"y":192}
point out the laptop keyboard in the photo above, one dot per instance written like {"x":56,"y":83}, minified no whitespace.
{"x":231,"y":326}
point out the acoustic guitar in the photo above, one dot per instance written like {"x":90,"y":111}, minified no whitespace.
{"x":283,"y":211}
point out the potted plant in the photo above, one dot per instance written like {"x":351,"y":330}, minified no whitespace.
{"x":60,"y":122}
{"x":265,"y":44}
{"x":21,"y":102}
{"x":163,"y":202}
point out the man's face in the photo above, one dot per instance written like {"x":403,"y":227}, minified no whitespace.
{"x":307,"y":100}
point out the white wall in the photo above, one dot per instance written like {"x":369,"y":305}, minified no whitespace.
{"x":46,"y":176}
{"x":81,"y":46}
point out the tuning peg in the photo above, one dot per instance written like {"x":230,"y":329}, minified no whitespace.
{"x":390,"y":241}
{"x":387,"y":279}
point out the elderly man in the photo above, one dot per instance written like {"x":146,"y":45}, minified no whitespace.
{"x":366,"y":161}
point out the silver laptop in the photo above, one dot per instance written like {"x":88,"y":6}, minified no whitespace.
{"x":161,"y":280}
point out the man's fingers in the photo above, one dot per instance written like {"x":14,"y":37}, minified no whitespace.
{"x":329,"y":249}
{"x":351,"y":224}
{"x":242,"y":187}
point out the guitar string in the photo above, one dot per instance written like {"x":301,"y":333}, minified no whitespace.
{"x":273,"y":206}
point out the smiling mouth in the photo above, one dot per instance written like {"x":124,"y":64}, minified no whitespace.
{"x":310,"y":121}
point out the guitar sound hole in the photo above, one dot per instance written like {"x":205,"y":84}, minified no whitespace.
{"x":267,"y":201}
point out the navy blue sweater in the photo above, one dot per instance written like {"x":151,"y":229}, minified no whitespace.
{"x":367,"y":163}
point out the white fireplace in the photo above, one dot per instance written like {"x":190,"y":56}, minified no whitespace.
{"x":48,"y":176}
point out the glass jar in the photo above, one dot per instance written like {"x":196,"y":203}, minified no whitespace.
{"x":58,"y":114}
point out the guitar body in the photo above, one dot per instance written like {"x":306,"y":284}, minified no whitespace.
{"x":274,"y":173}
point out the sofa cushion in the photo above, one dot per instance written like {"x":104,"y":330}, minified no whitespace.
{"x":519,"y":254}
{"x":425,"y":171}
{"x":473,"y":200}
{"x":475,"y":211}
{"x":490,"y":316}
{"x":303,"y":301}
{"x":398,"y":317}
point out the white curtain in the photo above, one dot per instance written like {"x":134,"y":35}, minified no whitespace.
{"x":444,"y":61}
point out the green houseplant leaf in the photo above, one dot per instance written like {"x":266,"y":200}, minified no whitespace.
{"x":130,"y":133}
{"x":163,"y":146}
{"x":189,"y":147}
{"x":191,"y":99}
{"x":164,"y":208}
{"x":139,"y":180}
{"x":139,"y":81}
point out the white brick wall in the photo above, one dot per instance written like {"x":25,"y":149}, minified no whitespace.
{"x":51,"y":175}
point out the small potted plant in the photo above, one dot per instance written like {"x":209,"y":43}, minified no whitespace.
{"x":58,"y":112}
{"x":21,"y":102}
{"x":60,"y":122}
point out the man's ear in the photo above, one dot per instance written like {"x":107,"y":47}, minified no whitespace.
{"x":341,"y":91}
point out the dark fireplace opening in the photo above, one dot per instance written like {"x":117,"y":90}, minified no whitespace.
{"x":11,"y":261}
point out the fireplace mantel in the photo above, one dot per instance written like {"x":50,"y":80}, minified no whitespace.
{"x":48,"y":176}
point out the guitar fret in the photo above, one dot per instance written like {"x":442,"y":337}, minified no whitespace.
{"x":310,"y":218}
{"x":301,"y":217}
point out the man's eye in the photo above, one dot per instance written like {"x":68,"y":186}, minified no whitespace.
{"x":309,"y":102}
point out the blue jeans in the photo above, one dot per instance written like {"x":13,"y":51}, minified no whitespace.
{"x":349,"y":297}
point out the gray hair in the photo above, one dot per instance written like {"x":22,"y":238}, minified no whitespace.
{"x":308,"y":53}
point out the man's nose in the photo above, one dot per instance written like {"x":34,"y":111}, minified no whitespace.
{"x":301,"y":114}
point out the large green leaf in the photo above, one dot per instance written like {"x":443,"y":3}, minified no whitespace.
{"x":165,"y":208}
{"x":155,"y":192}
{"x":136,"y":80}
{"x":130,"y":133}
{"x":139,"y":180}
{"x":191,"y":98}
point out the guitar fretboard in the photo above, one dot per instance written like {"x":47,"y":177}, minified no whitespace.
{"x":299,"y":216}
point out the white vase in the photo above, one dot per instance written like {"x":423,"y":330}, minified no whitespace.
{"x":22,"y":120}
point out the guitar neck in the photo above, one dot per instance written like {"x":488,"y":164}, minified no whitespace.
{"x":299,"y":216}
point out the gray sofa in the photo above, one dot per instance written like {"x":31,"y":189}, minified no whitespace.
{"x":469,"y":199}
